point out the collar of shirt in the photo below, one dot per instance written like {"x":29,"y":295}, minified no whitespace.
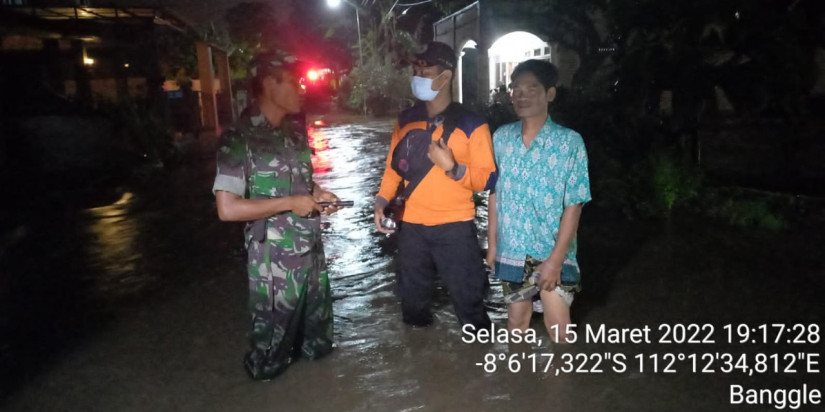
{"x":543,"y":135}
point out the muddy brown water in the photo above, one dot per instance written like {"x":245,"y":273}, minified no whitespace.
{"x":134,"y":300}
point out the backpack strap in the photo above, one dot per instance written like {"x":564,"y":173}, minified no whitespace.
{"x":449,"y":119}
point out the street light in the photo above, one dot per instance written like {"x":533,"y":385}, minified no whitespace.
{"x":334,"y":4}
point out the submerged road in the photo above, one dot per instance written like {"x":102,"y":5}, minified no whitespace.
{"x":133,"y":299}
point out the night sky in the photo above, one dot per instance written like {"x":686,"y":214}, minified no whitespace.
{"x":201,"y":12}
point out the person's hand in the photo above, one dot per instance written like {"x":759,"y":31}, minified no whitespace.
{"x":549,"y":275}
{"x":491,"y":256}
{"x":303,"y":205}
{"x":326,"y":196}
{"x":441,"y":155}
{"x":379,"y":215}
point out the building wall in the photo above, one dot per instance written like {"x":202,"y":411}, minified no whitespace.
{"x":456,"y":31}
{"x":485,"y":22}
{"x":58,"y":68}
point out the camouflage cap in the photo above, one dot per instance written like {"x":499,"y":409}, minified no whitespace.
{"x":273,"y":60}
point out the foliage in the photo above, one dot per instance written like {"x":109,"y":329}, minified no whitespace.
{"x":751,"y":213}
{"x":293,"y":26}
{"x":178,"y":57}
{"x":675,"y":181}
{"x":252,"y":24}
{"x":758,"y":54}
{"x":250,"y":28}
{"x":385,"y":88}
{"x":317,"y":35}
{"x":451,"y":6}
{"x":382,"y":81}
{"x":753,"y":209}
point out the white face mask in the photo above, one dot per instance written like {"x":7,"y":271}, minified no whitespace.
{"x":422,"y":88}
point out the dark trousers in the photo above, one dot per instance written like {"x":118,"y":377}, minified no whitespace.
{"x":452,"y":251}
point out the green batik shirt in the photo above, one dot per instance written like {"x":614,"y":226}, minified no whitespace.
{"x":535,"y":184}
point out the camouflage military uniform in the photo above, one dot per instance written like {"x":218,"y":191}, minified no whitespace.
{"x":289,"y":292}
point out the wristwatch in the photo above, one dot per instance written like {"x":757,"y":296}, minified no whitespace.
{"x":454,"y":170}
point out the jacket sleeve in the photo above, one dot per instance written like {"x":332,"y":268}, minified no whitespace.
{"x":480,"y":173}
{"x":391,"y":179}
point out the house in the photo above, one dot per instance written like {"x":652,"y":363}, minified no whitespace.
{"x":491,"y":39}
{"x":77,"y":50}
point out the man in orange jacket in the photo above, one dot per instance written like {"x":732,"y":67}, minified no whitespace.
{"x":445,"y":152}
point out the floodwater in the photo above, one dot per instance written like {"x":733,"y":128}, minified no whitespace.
{"x":133,"y":299}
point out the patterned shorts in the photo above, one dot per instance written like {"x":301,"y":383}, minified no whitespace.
{"x":529,"y":292}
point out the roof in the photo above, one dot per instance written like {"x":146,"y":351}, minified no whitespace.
{"x":63,"y":19}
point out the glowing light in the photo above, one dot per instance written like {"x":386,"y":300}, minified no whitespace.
{"x":112,"y":209}
{"x":312,"y":75}
{"x":126,"y":65}
{"x":320,"y":157}
{"x":510,"y":50}
{"x":319,"y":123}
{"x":512,"y":46}
{"x":114,"y":231}
{"x":333,"y":3}
{"x":88,"y":61}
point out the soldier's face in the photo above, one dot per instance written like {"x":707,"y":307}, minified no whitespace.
{"x":285,"y":93}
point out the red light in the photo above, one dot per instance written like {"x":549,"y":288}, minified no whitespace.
{"x":312,"y":75}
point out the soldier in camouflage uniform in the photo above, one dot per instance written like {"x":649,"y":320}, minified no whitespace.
{"x":264,"y":177}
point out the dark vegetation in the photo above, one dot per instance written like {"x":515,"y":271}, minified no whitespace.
{"x":701,"y":108}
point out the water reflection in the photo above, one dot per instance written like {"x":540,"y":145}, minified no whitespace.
{"x":349,"y":160}
{"x":163,"y":236}
{"x":320,"y":154}
{"x":112,"y":249}
{"x":71,"y":277}
{"x":390,"y":366}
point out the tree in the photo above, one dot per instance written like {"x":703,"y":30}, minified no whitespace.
{"x":288,"y":25}
{"x":382,"y":81}
{"x":757,"y":53}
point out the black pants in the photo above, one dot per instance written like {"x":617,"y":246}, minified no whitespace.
{"x":452,"y":251}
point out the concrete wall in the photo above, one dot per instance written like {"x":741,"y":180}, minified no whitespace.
{"x":456,"y":31}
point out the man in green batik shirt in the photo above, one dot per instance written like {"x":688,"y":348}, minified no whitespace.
{"x":264,"y":177}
